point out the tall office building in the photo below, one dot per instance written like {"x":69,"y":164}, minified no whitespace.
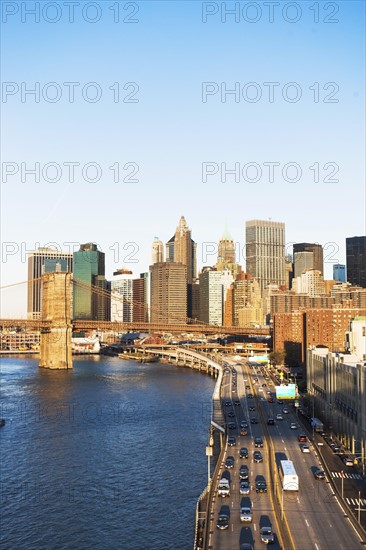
{"x":246,"y":301}
{"x":339,"y":273}
{"x":157,"y":251}
{"x":89,"y":269}
{"x":182,"y":249}
{"x":317,"y":251}
{"x":211,"y":296}
{"x":168,"y":292}
{"x":226,"y":249}
{"x":42,"y":261}
{"x":265,"y":252}
{"x":122,"y":296}
{"x":141,"y":299}
{"x":302,"y":262}
{"x":356,"y":260}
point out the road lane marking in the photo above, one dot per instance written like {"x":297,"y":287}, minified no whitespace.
{"x":316,"y":546}
{"x":307,"y":523}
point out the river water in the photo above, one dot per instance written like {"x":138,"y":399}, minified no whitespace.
{"x":110,"y":455}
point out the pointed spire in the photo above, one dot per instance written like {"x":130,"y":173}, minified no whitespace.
{"x":226,"y":234}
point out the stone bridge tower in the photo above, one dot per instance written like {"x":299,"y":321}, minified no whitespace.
{"x":56,"y":307}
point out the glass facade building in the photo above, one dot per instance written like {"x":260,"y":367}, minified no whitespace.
{"x":89,"y":270}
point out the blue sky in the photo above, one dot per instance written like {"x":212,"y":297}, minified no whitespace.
{"x":170,"y":132}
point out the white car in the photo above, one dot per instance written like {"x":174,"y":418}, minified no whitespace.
{"x":304,"y":448}
{"x":293,"y":426}
{"x":279,"y":416}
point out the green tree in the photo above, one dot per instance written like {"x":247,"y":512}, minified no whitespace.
{"x":277,"y":357}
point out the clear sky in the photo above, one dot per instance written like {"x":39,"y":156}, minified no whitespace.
{"x":149,"y":97}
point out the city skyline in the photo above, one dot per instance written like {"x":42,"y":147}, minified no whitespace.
{"x":208,"y":250}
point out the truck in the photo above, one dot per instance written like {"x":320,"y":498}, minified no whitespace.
{"x":317,"y":425}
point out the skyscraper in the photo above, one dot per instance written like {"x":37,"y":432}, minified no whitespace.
{"x":302,"y":261}
{"x":122,"y":296}
{"x":182,"y":249}
{"x":141,"y":299}
{"x":356,"y":260}
{"x":44,"y":260}
{"x":89,"y":269}
{"x":168,"y":289}
{"x":265,"y":252}
{"x":339,"y":273}
{"x":157,"y":252}
{"x":318,"y":260}
{"x":226,"y":251}
{"x":211,"y":296}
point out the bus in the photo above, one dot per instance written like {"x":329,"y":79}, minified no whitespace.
{"x":317,"y":425}
{"x":288,"y":475}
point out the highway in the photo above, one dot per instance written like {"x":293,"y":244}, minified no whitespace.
{"x":314,"y":516}
{"x":262,"y":507}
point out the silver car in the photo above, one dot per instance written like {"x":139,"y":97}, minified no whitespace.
{"x":244,"y":488}
{"x":245,"y":513}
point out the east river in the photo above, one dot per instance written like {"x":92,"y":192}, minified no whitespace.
{"x":109,"y":455}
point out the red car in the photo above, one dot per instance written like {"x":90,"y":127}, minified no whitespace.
{"x":270,"y":399}
{"x":302,"y":437}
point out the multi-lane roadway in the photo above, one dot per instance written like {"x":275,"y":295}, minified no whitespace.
{"x":314,"y":516}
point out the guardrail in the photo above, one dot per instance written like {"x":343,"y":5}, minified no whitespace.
{"x":198,"y":539}
{"x":219,"y":464}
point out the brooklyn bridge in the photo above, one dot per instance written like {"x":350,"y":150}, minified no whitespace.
{"x":56,"y":324}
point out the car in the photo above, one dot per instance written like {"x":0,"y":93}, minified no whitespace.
{"x":231,"y":441}
{"x":244,"y":472}
{"x":348,"y":461}
{"x":270,"y":400}
{"x":304,"y":448}
{"x":261,"y":486}
{"x":293,"y":426}
{"x":258,"y":442}
{"x":302,"y":437}
{"x":251,"y":408}
{"x":243,"y":431}
{"x":231,"y":415}
{"x":264,"y":385}
{"x":246,"y":546}
{"x":266,"y":535}
{"x":227,"y":403}
{"x":336,"y":449}
{"x":229,"y":462}
{"x":237,"y":402}
{"x":231,"y":425}
{"x":246,"y":513}
{"x":279,"y":416}
{"x":223,"y":518}
{"x":250,"y":396}
{"x":319,"y":474}
{"x":243,"y":452}
{"x":244,"y":424}
{"x":254,"y":420}
{"x":257,"y":456}
{"x":247,"y":387}
{"x":285,"y":410}
{"x":260,"y":389}
{"x":270,"y":422}
{"x":244,"y":488}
